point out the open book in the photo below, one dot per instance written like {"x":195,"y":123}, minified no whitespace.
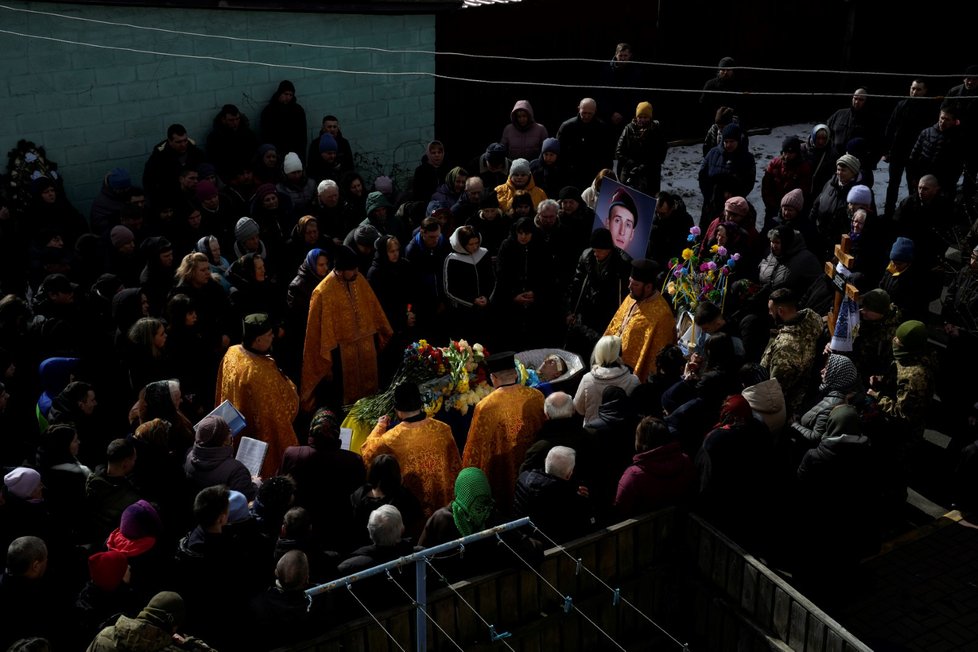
{"x":236,"y":420}
{"x":251,"y":453}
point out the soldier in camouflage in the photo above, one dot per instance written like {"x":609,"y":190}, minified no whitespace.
{"x":905,"y":392}
{"x":790,"y":354}
{"x":872,"y":346}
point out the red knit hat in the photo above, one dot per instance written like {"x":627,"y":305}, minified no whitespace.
{"x":107,"y":569}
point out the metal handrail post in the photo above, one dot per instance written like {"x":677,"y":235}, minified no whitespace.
{"x":421,"y":605}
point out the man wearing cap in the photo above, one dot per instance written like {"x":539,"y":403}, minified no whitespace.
{"x":424,"y":447}
{"x":587,"y":144}
{"x":622,"y":220}
{"x":106,"y":207}
{"x":492,"y":165}
{"x":906,"y":390}
{"x":790,"y":352}
{"x":344,"y":153}
{"x":380,"y":215}
{"x":489,"y":222}
{"x":783,"y":174}
{"x":600,"y":283}
{"x":504,"y":425}
{"x":644,"y":321}
{"x":721,"y":90}
{"x":909,"y":284}
{"x":576,"y":216}
{"x":641,"y":150}
{"x":345,"y":329}
{"x":872,"y":345}
{"x":251,"y":380}
{"x":155,"y":628}
{"x":324,"y":165}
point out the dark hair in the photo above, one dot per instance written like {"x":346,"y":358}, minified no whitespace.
{"x":465,"y":234}
{"x":666,"y":197}
{"x":177,"y":309}
{"x":430,"y":224}
{"x":706,"y":312}
{"x":175,"y":130}
{"x":210,"y":504}
{"x":784,"y":297}
{"x":24,"y":551}
{"x":951,"y":107}
{"x":719,"y":353}
{"x":330,"y":117}
{"x":230,"y":109}
{"x":275,"y":494}
{"x":385,"y":474}
{"x":119,"y":450}
{"x":670,"y":361}
{"x":76,"y":391}
{"x":751,"y":374}
{"x":55,"y":445}
{"x":296,"y":522}
{"x":650,"y":433}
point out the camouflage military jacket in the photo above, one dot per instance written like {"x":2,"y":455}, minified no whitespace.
{"x":790,"y":354}
{"x":909,"y":391}
{"x":872,"y":347}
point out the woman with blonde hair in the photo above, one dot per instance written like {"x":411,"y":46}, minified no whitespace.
{"x":607,"y":369}
{"x":590,"y":195}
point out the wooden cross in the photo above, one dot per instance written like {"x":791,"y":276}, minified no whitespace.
{"x":843,"y":256}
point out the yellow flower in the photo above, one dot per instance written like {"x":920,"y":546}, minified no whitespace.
{"x":463,"y":385}
{"x":687,"y":254}
{"x":714,"y":248}
{"x":671,"y":288}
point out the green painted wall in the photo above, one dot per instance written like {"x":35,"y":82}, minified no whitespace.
{"x":94,"y":109}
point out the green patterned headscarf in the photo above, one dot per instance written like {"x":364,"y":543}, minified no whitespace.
{"x":473,"y":502}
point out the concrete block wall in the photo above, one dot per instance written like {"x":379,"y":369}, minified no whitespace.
{"x":94,"y":109}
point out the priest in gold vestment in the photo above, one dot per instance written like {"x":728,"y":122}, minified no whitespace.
{"x":424,"y":448}
{"x":644,"y":321}
{"x":345,"y":317}
{"x":504,"y":425}
{"x":250,"y":379}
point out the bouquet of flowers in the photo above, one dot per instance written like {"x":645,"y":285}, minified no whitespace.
{"x":444,"y":375}
{"x":695,"y":277}
{"x":26,"y":163}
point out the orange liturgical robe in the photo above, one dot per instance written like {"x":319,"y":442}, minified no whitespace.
{"x":504,"y":425}
{"x":428,"y":457}
{"x":255,"y":385}
{"x":645,"y":327}
{"x":346,"y":316}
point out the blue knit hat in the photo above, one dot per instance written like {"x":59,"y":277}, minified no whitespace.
{"x":551,"y":145}
{"x":902,"y":250}
{"x":327,"y":144}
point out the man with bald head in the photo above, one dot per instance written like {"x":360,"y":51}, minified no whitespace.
{"x":859,"y":120}
{"x":586,"y":143}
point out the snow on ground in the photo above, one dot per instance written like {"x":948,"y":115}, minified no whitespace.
{"x":682,"y":165}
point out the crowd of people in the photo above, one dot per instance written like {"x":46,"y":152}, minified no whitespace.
{"x":265,"y":270}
